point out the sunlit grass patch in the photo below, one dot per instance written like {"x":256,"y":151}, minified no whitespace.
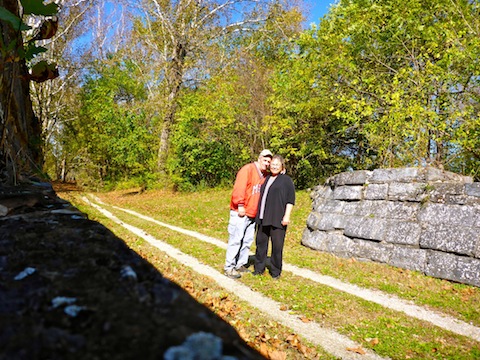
{"x":388,"y":332}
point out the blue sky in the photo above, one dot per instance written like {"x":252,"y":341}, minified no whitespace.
{"x":318,"y":8}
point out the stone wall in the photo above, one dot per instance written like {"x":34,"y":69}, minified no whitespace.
{"x":422,"y":219}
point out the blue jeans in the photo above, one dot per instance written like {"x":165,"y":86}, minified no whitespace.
{"x":241,"y":231}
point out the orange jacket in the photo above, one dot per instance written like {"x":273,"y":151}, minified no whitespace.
{"x":246,"y":190}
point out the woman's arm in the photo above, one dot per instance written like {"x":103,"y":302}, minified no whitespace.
{"x":286,"y":216}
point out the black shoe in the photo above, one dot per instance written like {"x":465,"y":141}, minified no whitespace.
{"x":257,"y":273}
{"x":276,"y":277}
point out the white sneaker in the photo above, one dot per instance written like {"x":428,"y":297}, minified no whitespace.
{"x":232,"y":274}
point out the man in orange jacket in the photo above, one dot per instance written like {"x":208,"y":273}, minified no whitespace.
{"x":243,"y":209}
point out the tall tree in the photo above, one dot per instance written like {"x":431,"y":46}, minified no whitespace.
{"x":56,"y":102}
{"x":397,"y":79}
{"x":224,"y":121}
{"x":178,"y":35}
{"x":111,"y":134}
{"x":302,"y":124}
{"x":20,"y":130}
{"x":406,"y":74}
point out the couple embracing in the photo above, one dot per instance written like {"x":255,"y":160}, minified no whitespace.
{"x":264,"y":201}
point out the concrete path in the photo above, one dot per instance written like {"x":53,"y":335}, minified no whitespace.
{"x":409,"y":308}
{"x":331,"y":341}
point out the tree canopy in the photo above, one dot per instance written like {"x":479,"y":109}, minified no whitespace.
{"x":185,"y":92}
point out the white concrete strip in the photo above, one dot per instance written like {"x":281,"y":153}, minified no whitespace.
{"x":193,"y":234}
{"x":333,"y":342}
{"x":443,"y":321}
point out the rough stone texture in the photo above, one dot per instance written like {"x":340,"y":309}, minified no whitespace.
{"x":315,"y":239}
{"x":70,"y":289}
{"x":400,"y":175}
{"x":369,"y":250}
{"x":406,"y":191}
{"x":356,"y":178}
{"x":468,"y":270}
{"x":461,"y":215}
{"x":326,"y":221}
{"x":460,"y":240}
{"x":341,"y":245}
{"x":376,"y":192}
{"x":473,"y":189}
{"x":441,"y":264}
{"x":403,"y":233}
{"x":366,"y":228}
{"x":348,"y":193}
{"x":422,"y":219}
{"x":408,"y":258}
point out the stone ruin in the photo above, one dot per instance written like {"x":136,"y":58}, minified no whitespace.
{"x":421,"y":219}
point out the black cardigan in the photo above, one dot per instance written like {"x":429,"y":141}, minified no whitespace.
{"x":281,"y":193}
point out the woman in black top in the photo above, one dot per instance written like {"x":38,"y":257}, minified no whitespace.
{"x":277,"y":198}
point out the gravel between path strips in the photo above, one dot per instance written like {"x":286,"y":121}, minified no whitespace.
{"x":331,"y":341}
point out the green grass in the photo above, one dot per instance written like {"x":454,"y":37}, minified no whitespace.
{"x":271,"y":338}
{"x":397,"y":336}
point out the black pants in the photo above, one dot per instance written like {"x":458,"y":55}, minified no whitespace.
{"x":277,"y":236}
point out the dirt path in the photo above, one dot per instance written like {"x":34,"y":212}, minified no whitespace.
{"x":332,"y":342}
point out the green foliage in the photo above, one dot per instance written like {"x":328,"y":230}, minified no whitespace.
{"x":114,"y":136}
{"x":404,"y":76}
{"x":207,"y":146}
{"x":303,"y":128}
{"x":38,"y":7}
{"x":381,"y":84}
{"x":14,"y":20}
{"x":29,"y":7}
{"x":377,"y":84}
{"x":31,"y":50}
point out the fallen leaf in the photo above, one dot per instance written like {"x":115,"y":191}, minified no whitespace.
{"x":290,"y":337}
{"x":189,"y":285}
{"x":263,"y":337}
{"x":293,"y":340}
{"x":372,"y":341}
{"x":283,"y":308}
{"x":447,"y":287}
{"x":467,"y":294}
{"x":276,"y":342}
{"x":264,"y":349}
{"x":277,"y":355}
{"x":357,"y":350}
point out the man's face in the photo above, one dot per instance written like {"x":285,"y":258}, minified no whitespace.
{"x":264,"y":162}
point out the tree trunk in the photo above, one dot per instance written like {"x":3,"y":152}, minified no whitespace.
{"x":63,"y":174}
{"x":175,"y":80}
{"x":20,"y":131}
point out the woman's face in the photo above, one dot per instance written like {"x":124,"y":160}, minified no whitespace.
{"x":276,"y":167}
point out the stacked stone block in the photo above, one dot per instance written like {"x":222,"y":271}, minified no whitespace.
{"x":422,"y":219}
